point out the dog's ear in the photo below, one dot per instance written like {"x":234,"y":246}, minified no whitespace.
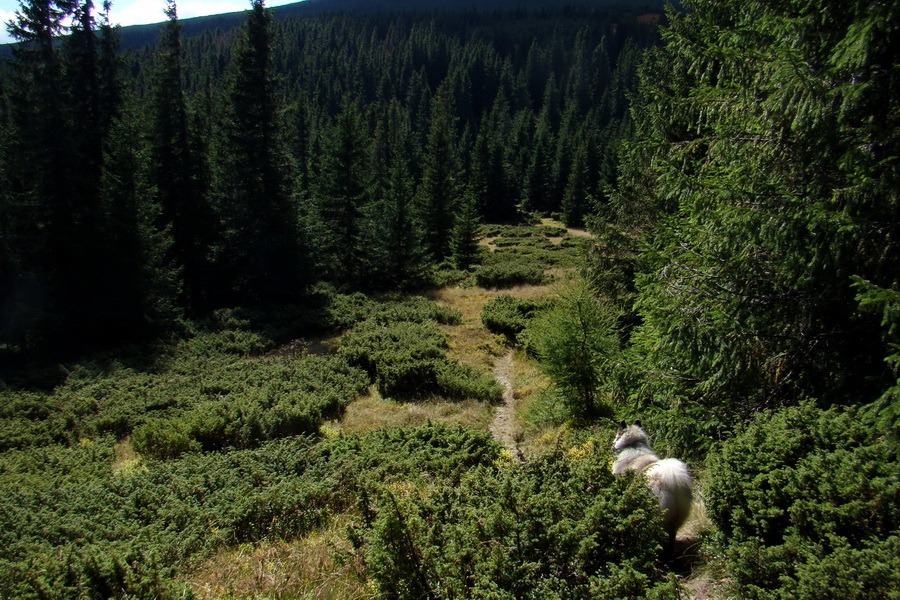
{"x":638,"y":422}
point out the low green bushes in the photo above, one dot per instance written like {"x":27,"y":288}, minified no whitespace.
{"x":86,"y":532}
{"x":506,"y":315}
{"x":254,"y":401}
{"x":558,"y":526}
{"x":805,"y":501}
{"x":521,"y":231}
{"x":373,"y":343}
{"x":408,"y":360}
{"x":521,"y":254}
{"x":346,"y":310}
{"x":509,"y":274}
{"x":534,"y":242}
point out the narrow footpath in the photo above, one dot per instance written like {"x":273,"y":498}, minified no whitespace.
{"x":504,"y":428}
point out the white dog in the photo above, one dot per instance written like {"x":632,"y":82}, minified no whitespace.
{"x":669,"y":479}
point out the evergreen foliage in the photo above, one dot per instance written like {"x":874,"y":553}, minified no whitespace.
{"x":509,"y":316}
{"x":50,"y":229}
{"x":143,"y":285}
{"x":360,"y":149}
{"x":408,"y":359}
{"x":440,"y":188}
{"x":558,"y":526}
{"x":761,"y":175}
{"x":251,"y":403}
{"x":509,"y":274}
{"x":175,"y":168}
{"x":801,"y":498}
{"x":344,"y":192}
{"x":577,"y":342}
{"x":261,"y":248}
{"x":145,"y":521}
{"x":463,"y":238}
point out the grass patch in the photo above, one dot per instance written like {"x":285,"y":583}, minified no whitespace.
{"x":319,"y":566}
{"x":373,"y":411}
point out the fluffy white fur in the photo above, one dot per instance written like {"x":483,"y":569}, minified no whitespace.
{"x":668,"y":479}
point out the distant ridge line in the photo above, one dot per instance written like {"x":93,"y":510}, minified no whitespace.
{"x":137,"y":36}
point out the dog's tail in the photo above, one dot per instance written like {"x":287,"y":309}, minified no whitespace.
{"x":670,"y":481}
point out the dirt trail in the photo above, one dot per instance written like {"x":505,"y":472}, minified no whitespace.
{"x":504,"y":428}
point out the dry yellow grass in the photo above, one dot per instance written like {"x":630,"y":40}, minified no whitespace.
{"x":125,"y":459}
{"x":547,"y":222}
{"x":371,"y":411}
{"x":708,"y":579}
{"x":698,"y":522}
{"x":320,"y":566}
{"x":470,"y":343}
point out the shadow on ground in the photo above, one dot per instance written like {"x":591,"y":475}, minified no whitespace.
{"x":684,"y":557}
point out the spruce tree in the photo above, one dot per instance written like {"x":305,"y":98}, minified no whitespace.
{"x":438,"y":189}
{"x":41,"y":216}
{"x":766,"y":159}
{"x":491,"y":173}
{"x":488,"y":177}
{"x":537,"y":187}
{"x":8,"y":253}
{"x":142,"y":291}
{"x":110,"y":65}
{"x":343,"y":192}
{"x":575,"y":200}
{"x":175,"y":168}
{"x":398,"y":258}
{"x":82,"y":76}
{"x":262,"y":259}
{"x":87,"y":280}
{"x":464,"y":236}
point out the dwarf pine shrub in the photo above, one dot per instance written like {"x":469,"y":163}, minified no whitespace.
{"x":254,"y":401}
{"x":72,"y":528}
{"x":559,"y":526}
{"x":506,"y":315}
{"x":509,"y":274}
{"x":408,"y":360}
{"x":805,"y":501}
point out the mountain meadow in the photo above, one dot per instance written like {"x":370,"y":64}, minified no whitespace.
{"x":345,"y":300}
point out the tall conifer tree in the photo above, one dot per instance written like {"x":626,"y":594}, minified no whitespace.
{"x":262,"y":252}
{"x":464,"y":235}
{"x":87,"y":281}
{"x":396,"y":256}
{"x":767,"y":158}
{"x":40,"y":211}
{"x":175,"y":172}
{"x":575,"y":202}
{"x":438,"y":189}
{"x":344,"y":191}
{"x":143,"y":284}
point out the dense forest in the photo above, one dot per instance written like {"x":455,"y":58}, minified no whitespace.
{"x":347,"y":304}
{"x":359,"y":150}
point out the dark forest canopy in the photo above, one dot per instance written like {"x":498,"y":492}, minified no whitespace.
{"x":238,"y":167}
{"x":136,"y":36}
{"x":140,"y":35}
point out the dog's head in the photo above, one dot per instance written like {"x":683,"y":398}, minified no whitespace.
{"x":630,"y":435}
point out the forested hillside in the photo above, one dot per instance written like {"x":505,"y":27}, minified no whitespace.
{"x":355,"y":149}
{"x":347,"y":305}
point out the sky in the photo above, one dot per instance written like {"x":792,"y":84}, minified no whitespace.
{"x":139,"y":12}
